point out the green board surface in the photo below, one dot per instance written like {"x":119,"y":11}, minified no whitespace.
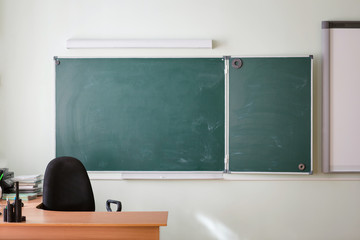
{"x":167,"y":114}
{"x":270,"y":115}
{"x":141,"y":114}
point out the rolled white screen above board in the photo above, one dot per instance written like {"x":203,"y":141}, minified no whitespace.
{"x":139,"y":43}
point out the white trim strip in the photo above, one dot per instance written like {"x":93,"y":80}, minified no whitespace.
{"x":155,"y":175}
{"x":325,"y":100}
{"x":94,"y":175}
{"x":227,"y":97}
{"x":312,"y":117}
{"x":252,"y":177}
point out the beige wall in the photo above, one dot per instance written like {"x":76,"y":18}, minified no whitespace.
{"x":243,"y":207}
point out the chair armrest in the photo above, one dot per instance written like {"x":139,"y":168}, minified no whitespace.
{"x":118,"y":203}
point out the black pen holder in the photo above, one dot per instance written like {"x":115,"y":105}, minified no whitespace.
{"x":13,"y":212}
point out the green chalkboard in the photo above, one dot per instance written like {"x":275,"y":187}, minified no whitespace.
{"x":270,"y":115}
{"x":141,"y":114}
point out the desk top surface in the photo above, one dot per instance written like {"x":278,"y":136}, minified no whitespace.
{"x":36,"y":216}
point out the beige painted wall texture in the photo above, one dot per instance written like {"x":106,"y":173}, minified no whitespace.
{"x":241,"y":208}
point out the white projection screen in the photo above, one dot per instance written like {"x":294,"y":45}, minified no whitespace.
{"x":341,"y":96}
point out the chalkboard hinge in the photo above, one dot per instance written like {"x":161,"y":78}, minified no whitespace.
{"x":57,"y":61}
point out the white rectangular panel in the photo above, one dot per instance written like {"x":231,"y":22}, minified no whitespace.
{"x":344,"y":71}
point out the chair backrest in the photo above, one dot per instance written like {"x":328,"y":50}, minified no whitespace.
{"x":67,"y":186}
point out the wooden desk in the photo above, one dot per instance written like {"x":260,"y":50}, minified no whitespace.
{"x":54,"y":225}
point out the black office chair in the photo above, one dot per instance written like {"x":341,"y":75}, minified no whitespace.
{"x":67,"y":187}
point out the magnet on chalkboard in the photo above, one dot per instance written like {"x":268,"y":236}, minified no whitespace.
{"x":236,"y":63}
{"x":301,"y":167}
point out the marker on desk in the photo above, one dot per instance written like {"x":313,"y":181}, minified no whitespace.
{"x":10,"y":212}
{"x":18,"y":206}
{"x":5,"y":214}
{"x":2,"y":175}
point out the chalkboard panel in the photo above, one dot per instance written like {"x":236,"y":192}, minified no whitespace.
{"x":144,"y":114}
{"x":270,"y":115}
